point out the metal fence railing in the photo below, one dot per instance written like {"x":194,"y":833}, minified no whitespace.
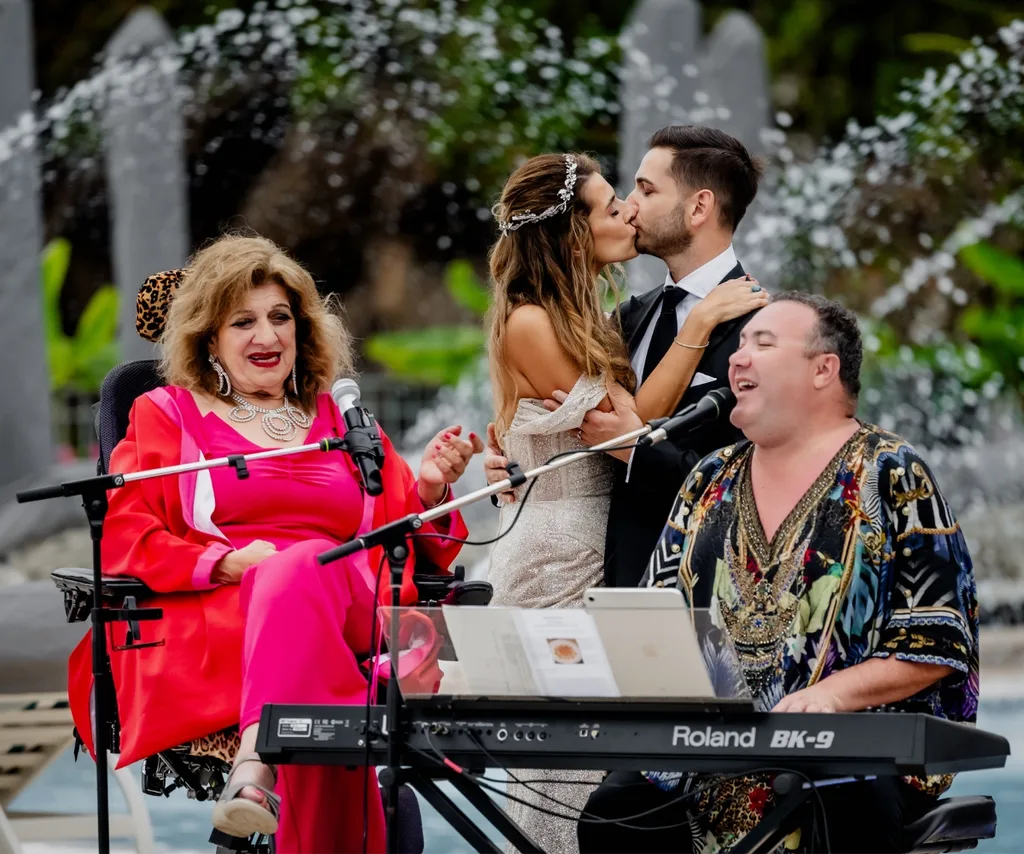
{"x":396,"y":405}
{"x":73,"y":424}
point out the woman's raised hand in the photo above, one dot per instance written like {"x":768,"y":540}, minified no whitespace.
{"x":444,"y":462}
{"x":730,"y":300}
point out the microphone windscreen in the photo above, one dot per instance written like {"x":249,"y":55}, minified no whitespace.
{"x":345,"y":387}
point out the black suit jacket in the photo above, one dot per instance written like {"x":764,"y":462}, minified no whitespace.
{"x":640,"y":507}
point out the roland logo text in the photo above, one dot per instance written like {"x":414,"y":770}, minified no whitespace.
{"x":712,"y":737}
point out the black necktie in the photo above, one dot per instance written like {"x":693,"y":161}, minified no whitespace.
{"x":665,"y":329}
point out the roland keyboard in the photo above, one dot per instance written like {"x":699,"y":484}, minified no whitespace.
{"x":622,"y":736}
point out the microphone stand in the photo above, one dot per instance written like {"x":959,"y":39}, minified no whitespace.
{"x":93,"y":491}
{"x":393,"y":537}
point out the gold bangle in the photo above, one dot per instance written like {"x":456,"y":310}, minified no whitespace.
{"x":691,"y":346}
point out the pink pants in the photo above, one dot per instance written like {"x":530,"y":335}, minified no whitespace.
{"x":302,"y":623}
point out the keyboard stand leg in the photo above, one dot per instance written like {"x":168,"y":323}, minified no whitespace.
{"x":778,"y":824}
{"x":450,"y":812}
{"x":495,"y":815}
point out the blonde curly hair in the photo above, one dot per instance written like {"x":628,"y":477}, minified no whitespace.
{"x":216,"y":282}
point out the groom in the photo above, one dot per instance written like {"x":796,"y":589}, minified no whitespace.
{"x":692,"y":189}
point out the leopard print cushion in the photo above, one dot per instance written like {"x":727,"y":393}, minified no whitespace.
{"x":223,"y":745}
{"x":153,"y":301}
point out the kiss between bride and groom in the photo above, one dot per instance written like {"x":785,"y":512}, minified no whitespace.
{"x":566,"y":375}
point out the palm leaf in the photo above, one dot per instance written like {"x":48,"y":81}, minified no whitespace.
{"x":1005,"y":272}
{"x":97,"y":327}
{"x":466,"y":289}
{"x":53,"y":270}
{"x":60,"y":356}
{"x":435,"y":356}
{"x":935,"y":43}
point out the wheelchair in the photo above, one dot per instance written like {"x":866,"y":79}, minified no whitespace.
{"x":202,"y":767}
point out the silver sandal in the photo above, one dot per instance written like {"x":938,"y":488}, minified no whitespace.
{"x":241,"y":817}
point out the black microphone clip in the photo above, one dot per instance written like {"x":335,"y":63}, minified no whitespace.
{"x":715,"y":404}
{"x":363,"y":444}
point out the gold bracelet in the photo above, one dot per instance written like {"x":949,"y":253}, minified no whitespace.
{"x":691,"y":346}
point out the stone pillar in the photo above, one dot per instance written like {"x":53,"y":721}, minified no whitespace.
{"x":736,"y":60}
{"x":735,"y":63}
{"x":672,"y":76}
{"x":145,"y":163}
{"x":26,"y":449}
{"x":660,"y":69}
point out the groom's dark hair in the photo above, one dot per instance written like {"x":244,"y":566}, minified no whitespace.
{"x":704,"y":157}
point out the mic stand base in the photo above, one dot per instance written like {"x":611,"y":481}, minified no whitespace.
{"x":94,"y":500}
{"x":95,"y":503}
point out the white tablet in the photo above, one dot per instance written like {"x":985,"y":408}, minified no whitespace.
{"x":633,"y":599}
{"x":650,"y":642}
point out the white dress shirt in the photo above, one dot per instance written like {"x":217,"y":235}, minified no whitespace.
{"x":697,"y":286}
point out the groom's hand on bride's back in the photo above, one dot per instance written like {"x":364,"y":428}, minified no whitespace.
{"x":601,"y":426}
{"x":557,"y":399}
{"x":496,"y":465}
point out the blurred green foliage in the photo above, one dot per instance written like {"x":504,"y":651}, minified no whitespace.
{"x":439,"y":355}
{"x":831,"y":59}
{"x":442,"y":355}
{"x":468,"y":87}
{"x":998,"y":327}
{"x":916,"y":220}
{"x":943,"y":390}
{"x":78,"y":362}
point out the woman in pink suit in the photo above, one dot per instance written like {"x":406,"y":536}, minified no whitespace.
{"x":250,"y":351}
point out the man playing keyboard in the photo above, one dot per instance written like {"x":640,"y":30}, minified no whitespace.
{"x":839,"y":571}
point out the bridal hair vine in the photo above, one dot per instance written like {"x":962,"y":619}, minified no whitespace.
{"x":517,"y":221}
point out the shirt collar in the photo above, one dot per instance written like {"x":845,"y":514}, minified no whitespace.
{"x":703,"y":280}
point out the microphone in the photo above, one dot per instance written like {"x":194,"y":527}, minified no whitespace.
{"x":362,"y":438}
{"x":710,"y":407}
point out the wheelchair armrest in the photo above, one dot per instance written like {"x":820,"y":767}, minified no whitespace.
{"x":76,"y":583}
{"x":470,"y":593}
{"x":436,"y":589}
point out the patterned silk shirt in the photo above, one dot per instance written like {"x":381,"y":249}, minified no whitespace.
{"x":870,"y":563}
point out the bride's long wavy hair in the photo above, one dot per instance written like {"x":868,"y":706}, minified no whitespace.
{"x":551,"y":264}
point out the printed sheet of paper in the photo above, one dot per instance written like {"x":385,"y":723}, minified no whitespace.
{"x":565,"y":653}
{"x":490,"y":652}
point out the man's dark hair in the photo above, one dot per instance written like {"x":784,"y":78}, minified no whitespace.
{"x":704,"y":157}
{"x":837,"y":332}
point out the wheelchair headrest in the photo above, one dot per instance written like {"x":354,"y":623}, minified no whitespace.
{"x":153,"y":301}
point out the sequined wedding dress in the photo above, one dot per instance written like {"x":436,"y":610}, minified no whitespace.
{"x":552,"y":555}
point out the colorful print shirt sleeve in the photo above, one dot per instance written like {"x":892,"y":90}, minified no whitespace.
{"x":933,"y":613}
{"x":665,"y":564}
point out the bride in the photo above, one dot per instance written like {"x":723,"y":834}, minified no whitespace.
{"x":561,"y":228}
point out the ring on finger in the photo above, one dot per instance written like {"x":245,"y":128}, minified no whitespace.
{"x":756,"y":289}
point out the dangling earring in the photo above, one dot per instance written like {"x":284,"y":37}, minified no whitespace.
{"x":223,"y":380}
{"x":295,"y":381}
